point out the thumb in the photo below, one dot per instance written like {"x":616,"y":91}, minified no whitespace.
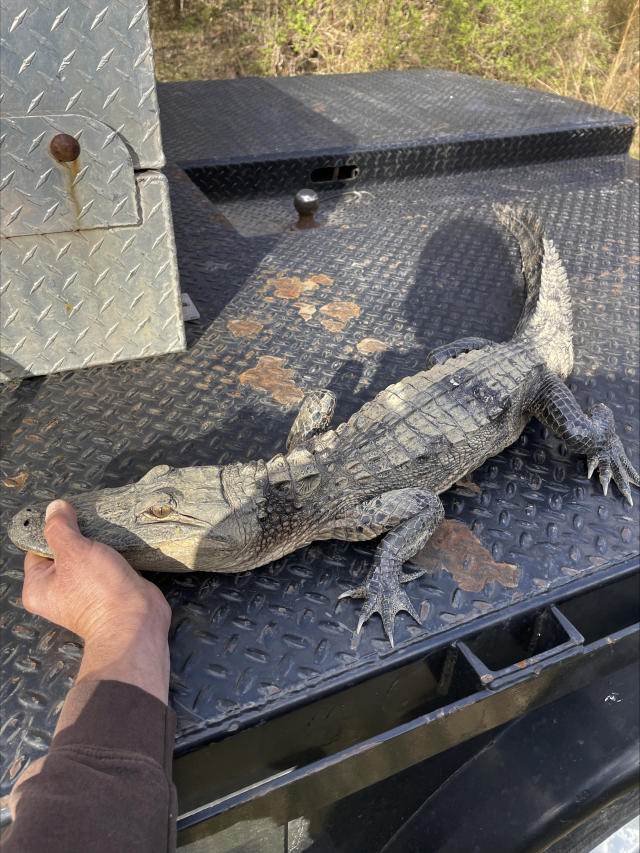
{"x":61,"y":529}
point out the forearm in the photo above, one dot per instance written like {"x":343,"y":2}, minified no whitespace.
{"x":106,"y":782}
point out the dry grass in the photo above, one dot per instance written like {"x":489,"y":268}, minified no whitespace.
{"x":592,"y":55}
{"x":615,"y":85}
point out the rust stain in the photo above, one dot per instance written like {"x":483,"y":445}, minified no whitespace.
{"x":16,"y":482}
{"x":467,"y":483}
{"x":338,"y":314}
{"x":289,"y":287}
{"x":221,"y":220}
{"x":244,"y":328}
{"x":305,"y":310}
{"x":17,"y":766}
{"x":454,"y":547}
{"x":51,"y":425}
{"x":332,"y":325}
{"x":370,"y":345}
{"x":269,"y":375}
{"x":68,"y":307}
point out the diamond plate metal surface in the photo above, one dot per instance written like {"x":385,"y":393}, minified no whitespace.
{"x":78,"y":298}
{"x":39,"y":195}
{"x":351,"y":307}
{"x":232,"y":121}
{"x":85,"y":58}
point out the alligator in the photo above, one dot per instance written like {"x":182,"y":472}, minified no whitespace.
{"x":380,"y":472}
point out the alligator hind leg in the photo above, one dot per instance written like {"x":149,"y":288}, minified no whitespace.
{"x":313,"y":417}
{"x":410,"y":516}
{"x":441,"y":354}
{"x":592,"y":432}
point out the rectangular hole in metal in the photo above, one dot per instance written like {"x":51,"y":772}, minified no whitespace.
{"x":601,"y":612}
{"x":329,"y":174}
{"x":518,"y":639}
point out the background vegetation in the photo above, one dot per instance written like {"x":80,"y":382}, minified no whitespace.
{"x":586,"y":49}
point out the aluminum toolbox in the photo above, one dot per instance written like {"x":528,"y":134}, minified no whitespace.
{"x":532,"y":586}
{"x":89,"y":274}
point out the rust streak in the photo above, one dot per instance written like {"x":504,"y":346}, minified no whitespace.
{"x":269,"y":375}
{"x":72,"y":170}
{"x":454,"y":547}
{"x":244,"y":328}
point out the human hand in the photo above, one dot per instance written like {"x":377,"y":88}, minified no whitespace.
{"x":91,"y":589}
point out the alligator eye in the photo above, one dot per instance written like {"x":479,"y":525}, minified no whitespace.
{"x":158,"y":511}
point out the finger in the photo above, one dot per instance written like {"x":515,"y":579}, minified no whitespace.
{"x":61,"y":529}
{"x":35,"y":566}
{"x":37,"y":571}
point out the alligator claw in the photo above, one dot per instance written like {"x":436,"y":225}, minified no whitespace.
{"x":613,"y":464}
{"x":358,"y":592}
{"x":405,"y":577}
{"x":385,"y":596}
{"x":605,"y":477}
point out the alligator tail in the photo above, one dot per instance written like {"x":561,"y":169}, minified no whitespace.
{"x":546,"y":321}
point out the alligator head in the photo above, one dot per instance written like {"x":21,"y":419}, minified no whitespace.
{"x":173,"y":519}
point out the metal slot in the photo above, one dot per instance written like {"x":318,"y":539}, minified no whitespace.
{"x":508,"y":652}
{"x":328,"y":174}
{"x":611,"y":608}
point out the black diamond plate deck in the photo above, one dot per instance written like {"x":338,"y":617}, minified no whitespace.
{"x":230,"y":121}
{"x":255,"y":136}
{"x":352,"y":307}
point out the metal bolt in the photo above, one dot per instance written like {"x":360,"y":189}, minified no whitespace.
{"x":306,"y":202}
{"x":64,"y":148}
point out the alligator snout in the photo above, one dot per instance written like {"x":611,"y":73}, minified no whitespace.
{"x":26,"y":530}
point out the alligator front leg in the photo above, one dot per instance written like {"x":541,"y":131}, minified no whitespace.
{"x":592,"y":432}
{"x":441,"y":354}
{"x":410,"y":516}
{"x":313,"y":417}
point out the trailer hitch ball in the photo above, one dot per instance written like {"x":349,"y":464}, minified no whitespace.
{"x":64,"y":148}
{"x":306,"y":202}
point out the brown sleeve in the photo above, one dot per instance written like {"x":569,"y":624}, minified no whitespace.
{"x":105,"y":784}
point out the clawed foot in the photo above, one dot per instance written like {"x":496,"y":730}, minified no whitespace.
{"x":384,"y":595}
{"x":611,"y":459}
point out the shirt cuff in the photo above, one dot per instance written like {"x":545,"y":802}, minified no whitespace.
{"x":117,"y":715}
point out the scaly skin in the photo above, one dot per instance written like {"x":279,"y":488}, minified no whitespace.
{"x":378,"y":473}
